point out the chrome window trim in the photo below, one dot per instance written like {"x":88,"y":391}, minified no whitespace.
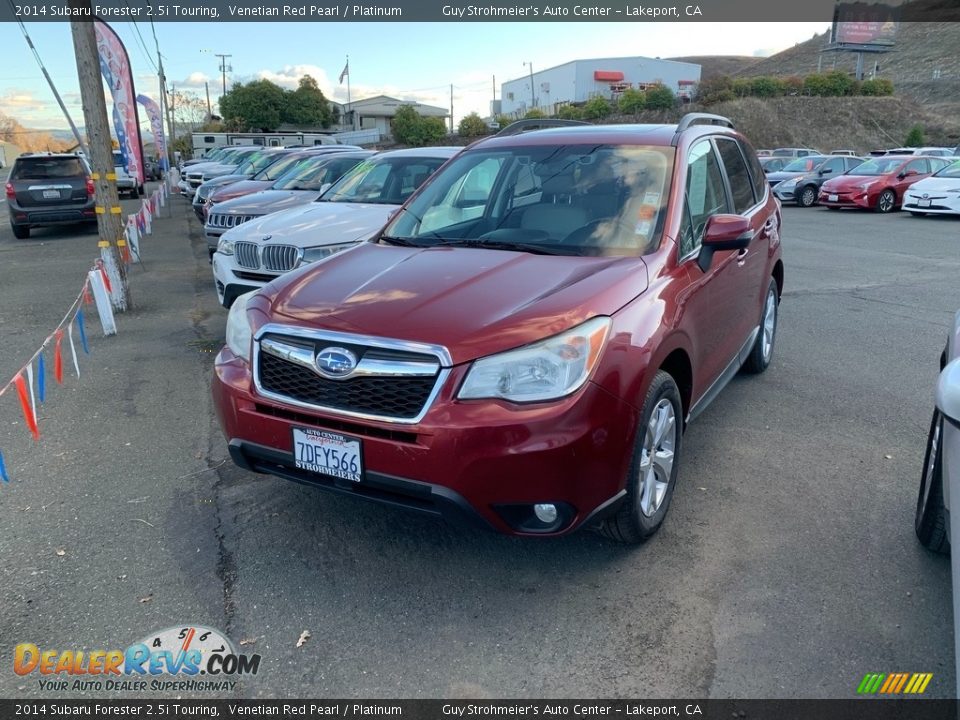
{"x":438,"y":351}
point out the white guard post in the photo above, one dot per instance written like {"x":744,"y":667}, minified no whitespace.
{"x":102,"y":300}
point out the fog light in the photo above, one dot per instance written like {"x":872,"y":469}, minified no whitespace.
{"x":545,"y":512}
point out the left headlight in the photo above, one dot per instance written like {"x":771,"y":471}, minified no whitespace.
{"x":225,"y":245}
{"x":546,"y":370}
{"x":314,"y":254}
{"x":239,"y":332}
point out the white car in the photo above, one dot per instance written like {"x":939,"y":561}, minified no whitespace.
{"x":351,"y":211}
{"x":938,"y":194}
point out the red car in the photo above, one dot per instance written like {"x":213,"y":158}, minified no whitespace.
{"x":525,"y":341}
{"x":879,"y":183}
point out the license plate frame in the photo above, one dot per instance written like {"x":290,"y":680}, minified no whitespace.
{"x":924,"y":203}
{"x":832,"y":198}
{"x":328,"y":454}
{"x":51,"y":194}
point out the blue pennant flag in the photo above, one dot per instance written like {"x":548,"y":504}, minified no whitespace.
{"x":42,"y":379}
{"x":3,"y":470}
{"x":83,"y":333}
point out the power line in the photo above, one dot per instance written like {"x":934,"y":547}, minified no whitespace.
{"x":143,"y":45}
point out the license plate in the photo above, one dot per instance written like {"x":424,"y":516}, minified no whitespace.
{"x":50,"y":194}
{"x":923,"y":203}
{"x":328,"y":453}
{"x":833,"y":198}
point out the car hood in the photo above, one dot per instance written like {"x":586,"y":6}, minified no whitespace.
{"x":935,"y":184}
{"x":202,"y":167}
{"x":845,"y":182}
{"x":242,"y":187}
{"x":221,"y":170}
{"x":266,"y":201}
{"x":474,"y":302}
{"x":322,"y":223}
{"x":779,"y":176}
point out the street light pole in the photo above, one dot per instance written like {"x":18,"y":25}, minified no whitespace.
{"x":533,"y":98}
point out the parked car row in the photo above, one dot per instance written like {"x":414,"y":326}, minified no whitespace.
{"x":921,"y":184}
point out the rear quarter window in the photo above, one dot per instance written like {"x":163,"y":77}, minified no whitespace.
{"x":46,"y":167}
{"x":741,"y":186}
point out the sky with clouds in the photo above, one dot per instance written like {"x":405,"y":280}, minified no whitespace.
{"x":411,"y":61}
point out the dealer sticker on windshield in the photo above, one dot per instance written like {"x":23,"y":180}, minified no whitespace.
{"x":327,"y":453}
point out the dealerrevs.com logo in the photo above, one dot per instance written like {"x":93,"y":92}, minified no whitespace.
{"x":186,"y":658}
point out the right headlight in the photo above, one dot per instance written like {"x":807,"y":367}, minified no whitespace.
{"x":545,"y":370}
{"x":225,"y":245}
{"x":239,"y":332}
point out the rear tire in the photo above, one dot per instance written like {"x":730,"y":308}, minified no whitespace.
{"x":762,"y":351}
{"x":20,"y":232}
{"x":930,"y":522}
{"x":653,"y":468}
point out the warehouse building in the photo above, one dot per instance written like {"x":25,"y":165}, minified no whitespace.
{"x":579,"y":80}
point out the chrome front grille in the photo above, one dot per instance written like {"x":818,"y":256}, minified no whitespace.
{"x":393,"y":380}
{"x":227,"y":221}
{"x":280,"y":258}
{"x":247,"y":254}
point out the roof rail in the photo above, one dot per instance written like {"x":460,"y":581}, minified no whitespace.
{"x":691,"y":119}
{"x":522,"y":126}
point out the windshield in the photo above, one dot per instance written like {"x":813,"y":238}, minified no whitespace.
{"x":254,"y":162}
{"x":387,"y":180}
{"x":278,"y":166}
{"x":315,"y":173}
{"x":879,"y":166}
{"x":554,"y":199}
{"x":118,"y":159}
{"x":806,"y":164}
{"x":950,"y":171}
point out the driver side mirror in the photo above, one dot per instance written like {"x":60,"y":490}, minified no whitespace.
{"x":723,"y":232}
{"x":826,"y":171}
{"x":907,"y":173}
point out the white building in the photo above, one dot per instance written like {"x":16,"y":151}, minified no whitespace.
{"x":376,"y":113}
{"x":579,"y":80}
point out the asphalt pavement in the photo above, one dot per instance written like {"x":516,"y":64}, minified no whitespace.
{"x":788,"y":566}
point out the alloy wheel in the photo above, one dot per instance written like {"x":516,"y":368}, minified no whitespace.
{"x":656,"y":457}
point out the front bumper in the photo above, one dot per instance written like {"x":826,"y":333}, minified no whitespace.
{"x":231,"y":280}
{"x":480,"y":460}
{"x":858,"y":199}
{"x":939,"y":204}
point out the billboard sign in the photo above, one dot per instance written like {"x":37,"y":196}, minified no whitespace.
{"x":865,"y":24}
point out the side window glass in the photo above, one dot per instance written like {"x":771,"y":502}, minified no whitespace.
{"x":919,"y":166}
{"x":834,"y":166}
{"x":705,"y":196}
{"x":756,"y":172}
{"x":737,"y":173}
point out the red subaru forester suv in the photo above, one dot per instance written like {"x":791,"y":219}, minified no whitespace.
{"x":525,"y":341}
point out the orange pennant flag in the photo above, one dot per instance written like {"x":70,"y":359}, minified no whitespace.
{"x":25,"y":405}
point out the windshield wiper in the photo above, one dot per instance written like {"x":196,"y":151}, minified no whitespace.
{"x":405,"y":242}
{"x":490,"y":244}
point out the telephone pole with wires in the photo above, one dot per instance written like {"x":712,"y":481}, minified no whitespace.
{"x":223,"y":69}
{"x":109,"y":218}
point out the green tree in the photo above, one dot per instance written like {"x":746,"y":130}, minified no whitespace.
{"x":259,"y":104}
{"x":503,"y":120}
{"x":570,"y":112}
{"x":307,"y":105}
{"x":535,"y":113}
{"x":632,"y":101}
{"x":714,"y":90}
{"x":877,"y":87}
{"x":838,"y":83}
{"x":660,"y":97}
{"x":410,"y":128}
{"x":741,"y":87}
{"x":815,"y":84}
{"x":793,"y":85}
{"x":597,"y":108}
{"x":915,"y":138}
{"x":766,"y":87}
{"x":472,"y":126}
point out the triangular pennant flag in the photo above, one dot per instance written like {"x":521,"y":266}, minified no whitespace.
{"x":58,"y":358}
{"x":83,"y":333}
{"x":106,"y":279}
{"x":25,"y":406}
{"x":33,"y":399}
{"x":3,"y":470}
{"x":42,"y":378}
{"x":73,"y":348}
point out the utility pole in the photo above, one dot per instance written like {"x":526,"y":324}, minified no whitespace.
{"x":223,"y":69}
{"x":451,"y":108}
{"x":209,"y":111}
{"x":533,"y":98}
{"x":109,"y":219}
{"x":173,"y":114}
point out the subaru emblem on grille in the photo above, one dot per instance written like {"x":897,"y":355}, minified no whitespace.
{"x":335,"y":362}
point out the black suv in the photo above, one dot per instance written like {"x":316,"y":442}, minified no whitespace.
{"x":49,"y":189}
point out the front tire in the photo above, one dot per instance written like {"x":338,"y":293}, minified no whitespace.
{"x":930,"y":522}
{"x":653,"y":469}
{"x":887,"y":201}
{"x":807,"y":197}
{"x":762,"y":351}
